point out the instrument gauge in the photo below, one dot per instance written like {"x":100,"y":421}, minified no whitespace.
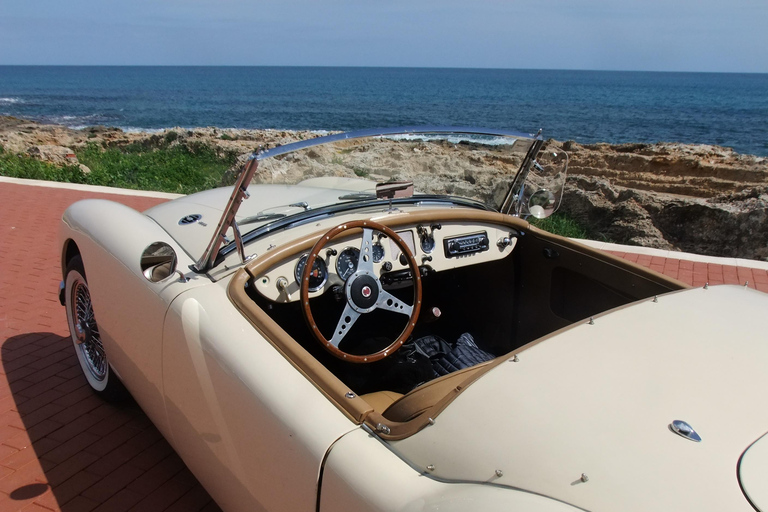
{"x":378,"y":252}
{"x":317,"y":277}
{"x":346,"y":263}
{"x":427,"y":244}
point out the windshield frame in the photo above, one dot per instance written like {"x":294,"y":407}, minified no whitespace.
{"x":220,"y":245}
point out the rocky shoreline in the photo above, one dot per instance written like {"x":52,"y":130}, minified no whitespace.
{"x":694,"y":198}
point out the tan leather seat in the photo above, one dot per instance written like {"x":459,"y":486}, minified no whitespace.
{"x":380,"y":400}
{"x":427,"y":395}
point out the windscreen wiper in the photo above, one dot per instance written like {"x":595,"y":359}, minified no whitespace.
{"x":262,"y":217}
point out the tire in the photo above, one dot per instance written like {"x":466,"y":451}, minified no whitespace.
{"x":85,"y":335}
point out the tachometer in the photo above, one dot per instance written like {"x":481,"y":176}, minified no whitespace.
{"x":346,"y":263}
{"x":317,"y":276}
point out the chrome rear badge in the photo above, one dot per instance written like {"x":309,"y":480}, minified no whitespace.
{"x":683,"y":429}
{"x":190,"y":219}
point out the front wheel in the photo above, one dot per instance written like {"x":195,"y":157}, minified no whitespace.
{"x":85,"y":334}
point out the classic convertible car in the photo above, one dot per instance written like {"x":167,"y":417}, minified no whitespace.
{"x":322,"y":337}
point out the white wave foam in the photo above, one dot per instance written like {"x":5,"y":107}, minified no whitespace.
{"x":455,"y":138}
{"x":74,"y":122}
{"x":10,"y":101}
{"x":134,"y":129}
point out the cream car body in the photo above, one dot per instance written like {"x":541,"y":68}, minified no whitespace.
{"x":573,"y":414}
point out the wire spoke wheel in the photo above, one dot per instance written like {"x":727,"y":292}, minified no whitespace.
{"x":85,"y":334}
{"x":88,"y":338}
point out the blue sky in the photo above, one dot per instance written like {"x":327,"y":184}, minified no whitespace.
{"x":654,"y":35}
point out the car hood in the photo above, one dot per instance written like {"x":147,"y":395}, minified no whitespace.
{"x":195,"y":236}
{"x":583,"y":416}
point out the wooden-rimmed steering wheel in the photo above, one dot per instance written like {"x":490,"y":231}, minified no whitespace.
{"x":363,"y":292}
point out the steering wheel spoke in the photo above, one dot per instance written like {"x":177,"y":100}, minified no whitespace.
{"x":347,"y":320}
{"x":365,"y":261}
{"x":389,"y":302}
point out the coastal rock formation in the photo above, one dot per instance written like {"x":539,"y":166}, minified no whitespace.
{"x":695,"y":198}
{"x":57,"y":155}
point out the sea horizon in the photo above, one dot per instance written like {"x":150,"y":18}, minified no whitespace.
{"x":333,"y":66}
{"x":587,"y":106}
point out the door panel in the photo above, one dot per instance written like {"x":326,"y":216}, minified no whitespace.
{"x":246,"y":422}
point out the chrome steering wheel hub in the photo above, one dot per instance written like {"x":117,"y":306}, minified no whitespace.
{"x":362,"y":291}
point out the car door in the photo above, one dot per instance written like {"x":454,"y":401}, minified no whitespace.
{"x":250,"y":426}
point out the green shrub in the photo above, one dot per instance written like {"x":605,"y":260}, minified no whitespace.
{"x":24,"y":166}
{"x":179,"y":169}
{"x":560,"y":224}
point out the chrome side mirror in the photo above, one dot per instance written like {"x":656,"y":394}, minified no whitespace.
{"x":542,"y":203}
{"x":158,"y":262}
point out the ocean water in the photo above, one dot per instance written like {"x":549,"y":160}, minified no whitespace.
{"x":585,"y":106}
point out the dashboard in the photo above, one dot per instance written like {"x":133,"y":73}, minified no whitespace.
{"x":437,"y":247}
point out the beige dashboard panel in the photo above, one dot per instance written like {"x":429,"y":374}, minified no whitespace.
{"x":278,"y":283}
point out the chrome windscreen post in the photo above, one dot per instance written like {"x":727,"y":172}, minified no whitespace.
{"x":239,"y":192}
{"x":239,"y":242}
{"x":512,"y":204}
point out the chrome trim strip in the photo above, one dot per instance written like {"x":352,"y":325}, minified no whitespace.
{"x":402,"y":130}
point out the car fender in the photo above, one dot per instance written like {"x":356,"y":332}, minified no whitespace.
{"x":129,"y":309}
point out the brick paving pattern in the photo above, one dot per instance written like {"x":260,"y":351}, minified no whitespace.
{"x":63,"y":448}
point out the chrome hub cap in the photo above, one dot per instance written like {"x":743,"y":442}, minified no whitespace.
{"x":86,"y":332}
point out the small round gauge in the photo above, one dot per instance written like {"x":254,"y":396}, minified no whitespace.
{"x":346,"y":263}
{"x":317,"y":277}
{"x":378,"y":252}
{"x":427,"y":244}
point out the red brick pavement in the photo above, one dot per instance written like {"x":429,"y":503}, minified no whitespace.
{"x":61,"y":447}
{"x":697,"y":273}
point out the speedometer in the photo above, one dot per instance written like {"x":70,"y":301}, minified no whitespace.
{"x":317,"y":276}
{"x":346,"y":263}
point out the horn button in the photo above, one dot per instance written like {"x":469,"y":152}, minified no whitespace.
{"x":363,"y":292}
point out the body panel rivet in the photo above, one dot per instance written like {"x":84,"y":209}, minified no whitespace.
{"x":499,"y":473}
{"x":431,"y":467}
{"x":584,"y":477}
{"x":591,"y":321}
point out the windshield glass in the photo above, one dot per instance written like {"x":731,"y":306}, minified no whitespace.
{"x":484,"y":168}
{"x":475,"y":166}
